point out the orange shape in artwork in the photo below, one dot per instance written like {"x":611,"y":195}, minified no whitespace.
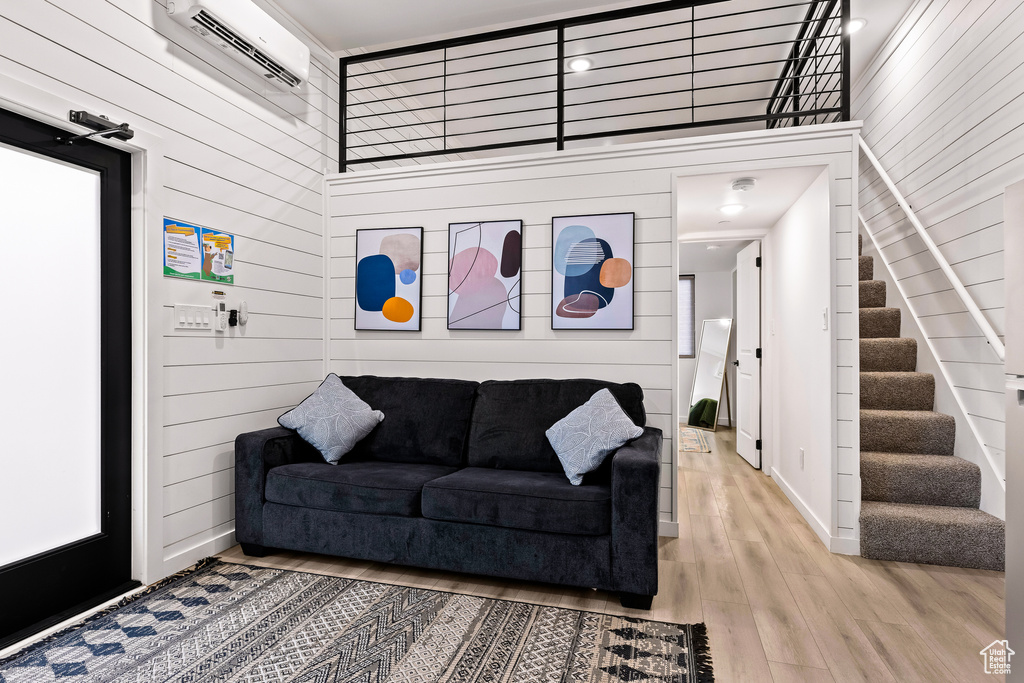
{"x":616,"y":272}
{"x":397,"y":310}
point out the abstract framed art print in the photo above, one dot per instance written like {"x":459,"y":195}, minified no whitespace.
{"x":389,"y":290}
{"x":485,"y":275}
{"x":592,"y":272}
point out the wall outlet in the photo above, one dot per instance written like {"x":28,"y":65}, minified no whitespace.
{"x":801,"y":458}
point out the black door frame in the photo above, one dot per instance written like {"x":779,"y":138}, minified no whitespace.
{"x":52,"y":586}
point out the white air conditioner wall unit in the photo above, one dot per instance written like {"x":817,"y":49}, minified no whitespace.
{"x":249,"y":35}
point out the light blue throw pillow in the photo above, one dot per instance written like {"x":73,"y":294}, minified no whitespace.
{"x":332,"y":418}
{"x":586,"y":436}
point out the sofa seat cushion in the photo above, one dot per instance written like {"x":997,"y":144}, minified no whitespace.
{"x":374,"y":487}
{"x":537,"y":501}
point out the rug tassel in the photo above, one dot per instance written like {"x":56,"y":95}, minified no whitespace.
{"x":701,"y":654}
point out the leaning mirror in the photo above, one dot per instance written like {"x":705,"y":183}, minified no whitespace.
{"x":706,"y":392}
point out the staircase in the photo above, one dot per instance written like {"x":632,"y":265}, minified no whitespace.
{"x":919,"y":503}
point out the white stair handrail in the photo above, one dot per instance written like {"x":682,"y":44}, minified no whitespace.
{"x":979,"y":318}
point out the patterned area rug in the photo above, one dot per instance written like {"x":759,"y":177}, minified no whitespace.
{"x":693,"y":440}
{"x":229,"y":622}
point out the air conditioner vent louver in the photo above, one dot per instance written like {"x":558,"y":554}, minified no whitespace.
{"x":210,"y":22}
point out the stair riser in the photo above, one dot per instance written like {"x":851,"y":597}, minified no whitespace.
{"x":957,"y":484}
{"x":866,"y":266}
{"x":879,"y":323}
{"x":888,"y":355}
{"x":897,"y":391}
{"x":872,"y":294}
{"x":895,"y":434}
{"x":903,"y":540}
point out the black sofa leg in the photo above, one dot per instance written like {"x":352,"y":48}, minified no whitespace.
{"x":253,"y":550}
{"x":635,"y":601}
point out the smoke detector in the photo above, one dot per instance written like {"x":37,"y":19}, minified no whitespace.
{"x":743,"y":184}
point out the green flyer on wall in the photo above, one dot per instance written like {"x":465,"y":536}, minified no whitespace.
{"x":198,"y":253}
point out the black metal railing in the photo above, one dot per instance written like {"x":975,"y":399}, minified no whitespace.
{"x":654,"y":71}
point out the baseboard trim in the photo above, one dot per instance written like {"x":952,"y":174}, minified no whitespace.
{"x":187,"y":558}
{"x":667,"y":528}
{"x":835,"y":544}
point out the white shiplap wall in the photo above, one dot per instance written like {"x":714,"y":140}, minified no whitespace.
{"x":534,"y":188}
{"x":239,"y":156}
{"x":942,"y":110}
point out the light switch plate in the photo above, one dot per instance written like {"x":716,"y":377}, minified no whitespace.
{"x":192,"y":317}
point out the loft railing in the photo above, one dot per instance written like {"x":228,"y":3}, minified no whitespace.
{"x":655,"y":71}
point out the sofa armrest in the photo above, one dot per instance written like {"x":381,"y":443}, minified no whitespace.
{"x":636,"y":471}
{"x":255,"y":454}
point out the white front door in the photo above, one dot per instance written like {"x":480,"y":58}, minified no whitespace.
{"x":748,"y":343}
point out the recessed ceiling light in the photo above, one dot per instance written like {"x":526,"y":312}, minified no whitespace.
{"x":732,"y":209}
{"x":855,"y":25}
{"x":580,"y":64}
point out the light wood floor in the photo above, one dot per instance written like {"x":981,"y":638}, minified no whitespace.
{"x":778,"y":606}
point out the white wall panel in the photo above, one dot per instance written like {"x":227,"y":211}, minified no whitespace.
{"x":240,"y":156}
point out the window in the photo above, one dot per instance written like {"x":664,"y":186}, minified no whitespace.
{"x":685,"y":320}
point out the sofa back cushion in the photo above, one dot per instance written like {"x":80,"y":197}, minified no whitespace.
{"x":510,"y":418}
{"x":425,"y":420}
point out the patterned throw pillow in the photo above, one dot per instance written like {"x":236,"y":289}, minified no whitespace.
{"x":332,"y":418}
{"x":586,"y":436}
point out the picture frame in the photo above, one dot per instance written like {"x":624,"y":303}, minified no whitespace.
{"x":389,"y":279}
{"x":592,"y":263}
{"x":485,"y":275}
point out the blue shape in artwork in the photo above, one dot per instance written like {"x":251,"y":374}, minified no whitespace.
{"x":568,"y":237}
{"x":407,"y":276}
{"x":586,"y":277}
{"x":375,"y":282}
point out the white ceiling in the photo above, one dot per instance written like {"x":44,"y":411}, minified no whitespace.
{"x":701,"y":197}
{"x":695,"y":257}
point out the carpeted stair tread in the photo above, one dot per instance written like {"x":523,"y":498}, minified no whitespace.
{"x":920,"y":479}
{"x":932,"y":534}
{"x":872,"y":294}
{"x":879,"y":322}
{"x":888,"y":355}
{"x":907,"y":431}
{"x":867,"y":267}
{"x":897,"y":390}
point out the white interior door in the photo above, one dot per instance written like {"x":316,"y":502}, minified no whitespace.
{"x":748,"y":343}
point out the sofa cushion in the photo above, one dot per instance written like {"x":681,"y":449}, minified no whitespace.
{"x":586,"y":436}
{"x":427,"y":419}
{"x":371,"y":486}
{"x":510,"y":418}
{"x":332,"y":418}
{"x":537,"y":501}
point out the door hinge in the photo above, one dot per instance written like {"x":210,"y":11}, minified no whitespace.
{"x":757,"y":352}
{"x":757,"y":444}
{"x":757,"y":261}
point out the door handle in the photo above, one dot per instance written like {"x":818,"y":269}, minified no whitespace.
{"x":735,"y":362}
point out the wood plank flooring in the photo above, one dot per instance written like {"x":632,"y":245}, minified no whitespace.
{"x":778,"y":605}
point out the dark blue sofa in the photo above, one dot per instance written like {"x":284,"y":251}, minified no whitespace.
{"x":460,"y":476}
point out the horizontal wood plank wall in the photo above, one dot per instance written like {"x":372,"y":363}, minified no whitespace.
{"x":942,"y":110}
{"x":240,"y":156}
{"x":534,"y":188}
